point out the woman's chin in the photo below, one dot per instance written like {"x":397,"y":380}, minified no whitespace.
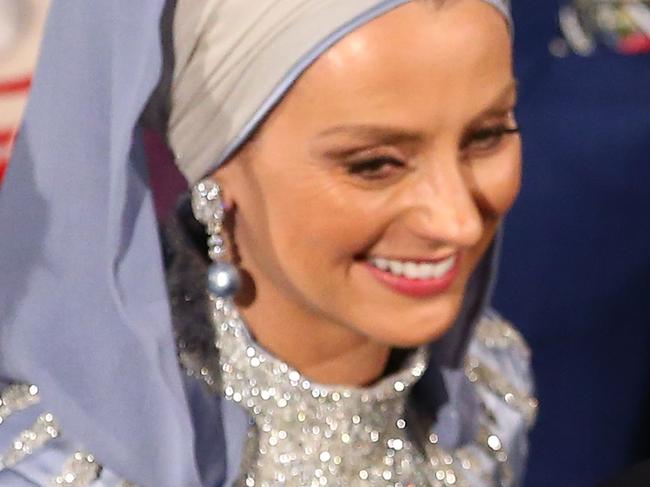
{"x":390,"y":312}
{"x":414,"y":328}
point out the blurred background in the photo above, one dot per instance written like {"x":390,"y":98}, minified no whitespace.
{"x":575,"y":274}
{"x":21,"y":23}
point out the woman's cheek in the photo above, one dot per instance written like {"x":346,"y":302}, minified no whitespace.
{"x":326,"y":208}
{"x":498,"y":182}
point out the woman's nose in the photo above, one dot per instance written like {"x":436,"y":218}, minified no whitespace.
{"x":444,"y":209}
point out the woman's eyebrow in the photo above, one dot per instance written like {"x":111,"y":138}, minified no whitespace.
{"x":396,"y":135}
{"x":381,"y":133}
{"x":498,"y":105}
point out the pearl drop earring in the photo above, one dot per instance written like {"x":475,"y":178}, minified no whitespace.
{"x":224,"y":280}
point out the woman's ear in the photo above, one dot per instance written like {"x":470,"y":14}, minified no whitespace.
{"x":227,"y":199}
{"x":220,"y":176}
{"x":231,"y":175}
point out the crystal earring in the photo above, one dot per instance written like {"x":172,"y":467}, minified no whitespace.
{"x":224,"y":280}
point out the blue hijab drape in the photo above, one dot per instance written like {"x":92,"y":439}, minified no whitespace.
{"x":83,"y":306}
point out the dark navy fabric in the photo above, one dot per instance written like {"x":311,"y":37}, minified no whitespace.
{"x":575,"y":273}
{"x":637,"y":476}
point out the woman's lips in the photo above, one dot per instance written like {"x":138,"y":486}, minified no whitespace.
{"x":416,"y":278}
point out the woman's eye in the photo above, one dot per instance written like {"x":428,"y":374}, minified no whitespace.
{"x":375,"y":168}
{"x":487,"y":139}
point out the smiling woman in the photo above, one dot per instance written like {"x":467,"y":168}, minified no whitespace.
{"x":350,"y":166}
{"x":403,"y":156}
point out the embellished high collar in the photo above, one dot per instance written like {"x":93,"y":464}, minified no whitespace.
{"x":267,"y":386}
{"x":304,"y":433}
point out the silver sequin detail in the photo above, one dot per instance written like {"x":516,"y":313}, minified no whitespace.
{"x":78,"y":471}
{"x":17,"y":397}
{"x":44,"y":429}
{"x":200,"y":367}
{"x":308,"y":434}
{"x":481,"y":373}
{"x":497,"y":333}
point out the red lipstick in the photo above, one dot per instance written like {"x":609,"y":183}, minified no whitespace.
{"x":417,"y":288}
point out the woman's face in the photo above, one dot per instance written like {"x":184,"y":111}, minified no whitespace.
{"x":372,"y":191}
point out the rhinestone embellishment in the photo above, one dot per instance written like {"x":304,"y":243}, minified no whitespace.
{"x":17,"y":397}
{"x":78,"y":471}
{"x":44,"y":429}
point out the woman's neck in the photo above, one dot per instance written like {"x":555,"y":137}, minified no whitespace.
{"x":325,"y":352}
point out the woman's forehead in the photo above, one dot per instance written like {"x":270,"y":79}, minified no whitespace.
{"x":411,"y":54}
{"x":415,"y":32}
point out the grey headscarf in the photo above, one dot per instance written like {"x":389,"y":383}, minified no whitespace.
{"x":84,"y":311}
{"x":227,"y":80}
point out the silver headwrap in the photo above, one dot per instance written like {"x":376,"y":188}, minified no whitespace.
{"x":235,"y":61}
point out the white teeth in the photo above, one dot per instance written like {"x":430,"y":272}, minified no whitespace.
{"x":380,"y":263}
{"x":441,"y":268}
{"x":415,"y":270}
{"x":411,"y":270}
{"x":396,"y":267}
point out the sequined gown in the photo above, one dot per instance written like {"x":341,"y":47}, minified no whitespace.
{"x":304,"y":434}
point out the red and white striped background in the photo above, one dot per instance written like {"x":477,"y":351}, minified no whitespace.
{"x":21,"y":24}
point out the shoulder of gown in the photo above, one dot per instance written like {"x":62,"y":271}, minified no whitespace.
{"x":34,"y":452}
{"x":497,"y":372}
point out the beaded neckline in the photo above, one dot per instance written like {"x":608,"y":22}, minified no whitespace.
{"x":304,"y":433}
{"x":237,"y":346}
